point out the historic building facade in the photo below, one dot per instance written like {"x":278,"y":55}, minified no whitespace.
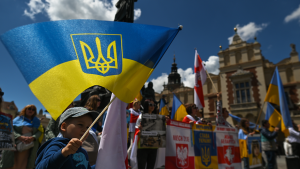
{"x":243,"y":82}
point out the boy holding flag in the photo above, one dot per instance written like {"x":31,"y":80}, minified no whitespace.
{"x":66,"y":151}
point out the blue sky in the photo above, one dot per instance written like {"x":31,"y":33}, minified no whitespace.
{"x":206,"y":25}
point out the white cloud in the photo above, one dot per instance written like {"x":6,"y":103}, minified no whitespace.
{"x":248,"y":31}
{"x":212,"y":65}
{"x":70,"y":9}
{"x":187,"y":76}
{"x":294,"y":15}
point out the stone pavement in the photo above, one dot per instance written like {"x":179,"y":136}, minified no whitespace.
{"x":281,"y":162}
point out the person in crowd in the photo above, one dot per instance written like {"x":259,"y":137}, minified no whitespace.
{"x":191,"y":117}
{"x":146,"y":156}
{"x":26,"y":132}
{"x":91,"y":144}
{"x":222,"y":114}
{"x":134,"y":114}
{"x":268,"y":143}
{"x":294,"y":139}
{"x":244,"y":132}
{"x":93,"y":104}
{"x":52,"y":129}
{"x":66,"y":151}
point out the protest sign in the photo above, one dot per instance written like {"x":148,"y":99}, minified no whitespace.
{"x":179,"y":150}
{"x":7,"y":140}
{"x":153,"y":134}
{"x":254,"y":150}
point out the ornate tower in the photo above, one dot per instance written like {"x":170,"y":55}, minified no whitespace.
{"x":174,"y":79}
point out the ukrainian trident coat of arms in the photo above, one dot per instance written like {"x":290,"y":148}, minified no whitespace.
{"x":205,"y":155}
{"x":100,"y":54}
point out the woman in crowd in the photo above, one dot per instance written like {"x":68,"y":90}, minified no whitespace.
{"x":294,"y":139}
{"x":25,"y":131}
{"x":243,"y":134}
{"x":222,"y":114}
{"x":91,"y":143}
{"x":192,"y":110}
{"x":146,"y":156}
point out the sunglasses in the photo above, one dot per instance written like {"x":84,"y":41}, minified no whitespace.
{"x":1,"y":93}
{"x":33,"y":109}
{"x":150,"y":104}
{"x":98,"y":100}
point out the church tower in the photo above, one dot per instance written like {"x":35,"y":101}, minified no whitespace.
{"x":174,"y":79}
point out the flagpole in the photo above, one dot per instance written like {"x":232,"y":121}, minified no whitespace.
{"x":258,"y":117}
{"x":87,"y":131}
{"x":211,"y":81}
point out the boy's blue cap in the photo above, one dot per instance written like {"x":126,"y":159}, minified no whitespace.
{"x":76,"y":112}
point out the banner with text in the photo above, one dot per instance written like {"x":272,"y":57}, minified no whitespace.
{"x":228,"y":148}
{"x":204,"y":139}
{"x":179,"y":150}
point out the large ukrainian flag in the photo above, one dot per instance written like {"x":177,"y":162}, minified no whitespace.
{"x":178,"y":109}
{"x":273,"y":116}
{"x":277,"y":96}
{"x":60,"y":59}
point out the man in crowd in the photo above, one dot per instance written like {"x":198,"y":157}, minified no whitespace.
{"x":268,"y":143}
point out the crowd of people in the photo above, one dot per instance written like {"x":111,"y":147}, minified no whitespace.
{"x":62,"y":136}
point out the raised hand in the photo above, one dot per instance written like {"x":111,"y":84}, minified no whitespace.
{"x":71,"y":147}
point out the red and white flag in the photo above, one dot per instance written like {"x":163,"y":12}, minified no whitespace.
{"x":133,"y":156}
{"x":200,"y":78}
{"x":112,"y":151}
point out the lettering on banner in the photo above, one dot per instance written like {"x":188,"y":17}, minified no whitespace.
{"x":228,"y":139}
{"x":201,"y":127}
{"x":181,"y":138}
{"x":174,"y":123}
{"x":204,"y":138}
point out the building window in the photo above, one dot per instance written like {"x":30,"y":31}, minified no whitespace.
{"x":242,"y":92}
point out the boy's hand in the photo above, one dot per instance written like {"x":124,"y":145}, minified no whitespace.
{"x":71,"y":147}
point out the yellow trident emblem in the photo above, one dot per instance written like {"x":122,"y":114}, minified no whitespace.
{"x":205,"y":155}
{"x":101,"y":64}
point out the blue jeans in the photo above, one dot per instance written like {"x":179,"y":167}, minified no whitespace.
{"x":246,"y":162}
{"x":271,"y":157}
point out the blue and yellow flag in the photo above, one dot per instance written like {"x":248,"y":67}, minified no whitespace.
{"x":178,"y":109}
{"x":273,"y":116}
{"x":163,"y":109}
{"x":277,"y":96}
{"x":60,"y":59}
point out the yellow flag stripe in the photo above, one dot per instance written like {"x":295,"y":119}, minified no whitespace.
{"x":55,"y":88}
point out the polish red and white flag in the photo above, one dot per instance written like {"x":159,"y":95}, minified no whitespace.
{"x":200,"y":78}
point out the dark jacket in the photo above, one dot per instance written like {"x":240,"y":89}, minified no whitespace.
{"x":268,"y":139}
{"x":49,"y":156}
